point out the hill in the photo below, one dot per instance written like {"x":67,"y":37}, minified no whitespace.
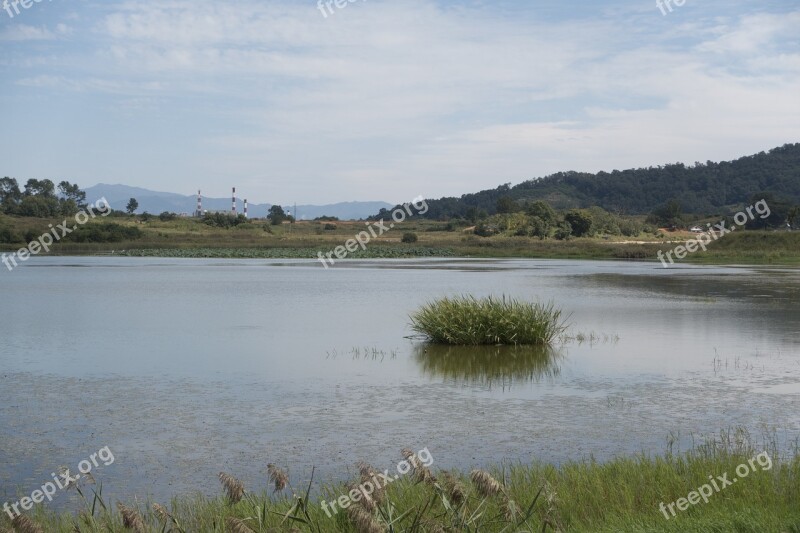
{"x":703,"y":189}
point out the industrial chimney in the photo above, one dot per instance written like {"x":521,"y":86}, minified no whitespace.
{"x":233,"y":202}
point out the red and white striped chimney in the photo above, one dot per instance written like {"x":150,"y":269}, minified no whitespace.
{"x":199,"y":204}
{"x":233,"y":202}
{"x":245,"y":208}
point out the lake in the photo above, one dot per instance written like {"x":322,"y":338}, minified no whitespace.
{"x":185,"y":368}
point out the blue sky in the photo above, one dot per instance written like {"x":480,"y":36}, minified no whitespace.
{"x":387,"y":100}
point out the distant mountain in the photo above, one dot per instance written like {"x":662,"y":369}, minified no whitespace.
{"x":704,"y":188}
{"x":157,"y":202}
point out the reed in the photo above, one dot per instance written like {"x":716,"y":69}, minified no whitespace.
{"x":470,"y":321}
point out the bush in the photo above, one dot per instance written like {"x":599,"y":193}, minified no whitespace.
{"x":224,"y":220}
{"x":466,"y":320}
{"x":166,"y":216}
{"x":410,"y":237}
{"x":330,"y":227}
{"x":8,"y":237}
{"x":104,"y":232}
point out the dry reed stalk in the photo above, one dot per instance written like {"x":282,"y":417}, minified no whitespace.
{"x":278,"y":477}
{"x":23,"y":524}
{"x":487,"y":485}
{"x":235,"y":525}
{"x":131,"y":518}
{"x":233,"y":487}
{"x":363,"y":521}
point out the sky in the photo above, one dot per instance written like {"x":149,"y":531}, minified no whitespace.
{"x":387,"y":99}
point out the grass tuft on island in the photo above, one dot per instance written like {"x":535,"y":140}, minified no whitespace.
{"x":470,"y":321}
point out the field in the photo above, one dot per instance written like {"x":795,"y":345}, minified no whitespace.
{"x":188,"y":237}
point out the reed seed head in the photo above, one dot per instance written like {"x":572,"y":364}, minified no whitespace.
{"x":487,"y":485}
{"x":363,"y":521}
{"x":131,"y":519}
{"x":235,"y":525}
{"x":278,"y":477}
{"x":23,"y":524}
{"x":233,"y":487}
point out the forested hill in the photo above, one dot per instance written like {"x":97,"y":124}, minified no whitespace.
{"x":704,"y":188}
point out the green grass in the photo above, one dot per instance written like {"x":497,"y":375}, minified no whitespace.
{"x":470,"y":321}
{"x":187,"y":237}
{"x":621,"y":495}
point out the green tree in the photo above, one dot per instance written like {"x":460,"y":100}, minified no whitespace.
{"x":43,"y":188}
{"x":580,"y":221}
{"x":276,"y":215}
{"x":506,"y":204}
{"x":10,"y":195}
{"x":543,"y":210}
{"x":132,"y":206}
{"x":39,"y":206}
{"x":72,"y":197}
{"x":793,"y":216}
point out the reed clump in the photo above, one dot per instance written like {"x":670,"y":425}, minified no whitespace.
{"x":471,"y":321}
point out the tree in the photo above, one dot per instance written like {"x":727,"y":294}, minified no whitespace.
{"x":43,"y":188}
{"x":73,"y":193}
{"x":506,"y":205}
{"x":132,"y":206}
{"x":777,"y":207}
{"x":39,"y":207}
{"x":542,"y":209}
{"x":580,"y":222}
{"x":793,"y":216}
{"x":668,"y":214}
{"x":276,"y":215}
{"x":10,"y":195}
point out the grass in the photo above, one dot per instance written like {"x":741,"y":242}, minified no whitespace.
{"x":621,"y":495}
{"x":187,"y":237}
{"x":469,"y":321}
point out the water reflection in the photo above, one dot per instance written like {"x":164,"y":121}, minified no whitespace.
{"x":489,"y":366}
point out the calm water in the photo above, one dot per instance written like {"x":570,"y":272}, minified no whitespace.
{"x":188,"y":367}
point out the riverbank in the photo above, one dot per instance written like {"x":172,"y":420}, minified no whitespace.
{"x":721,"y":486}
{"x":191,"y":238}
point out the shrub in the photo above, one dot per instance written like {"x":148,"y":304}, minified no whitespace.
{"x":104,"y":232}
{"x":466,"y":320}
{"x":330,"y":227}
{"x":166,"y":216}
{"x":410,"y":237}
{"x":8,"y":237}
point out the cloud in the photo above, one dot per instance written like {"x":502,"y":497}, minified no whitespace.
{"x":382,"y":97}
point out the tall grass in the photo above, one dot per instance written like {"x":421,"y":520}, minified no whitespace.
{"x":622,"y":495}
{"x":470,"y":321}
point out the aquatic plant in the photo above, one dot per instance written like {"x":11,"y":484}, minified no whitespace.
{"x":469,"y":321}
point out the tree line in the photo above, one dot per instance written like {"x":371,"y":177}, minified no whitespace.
{"x":704,"y":189}
{"x":40,"y":198}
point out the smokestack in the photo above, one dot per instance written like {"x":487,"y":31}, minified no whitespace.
{"x":245,"y":208}
{"x":199,"y":204}
{"x":233,"y":202}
